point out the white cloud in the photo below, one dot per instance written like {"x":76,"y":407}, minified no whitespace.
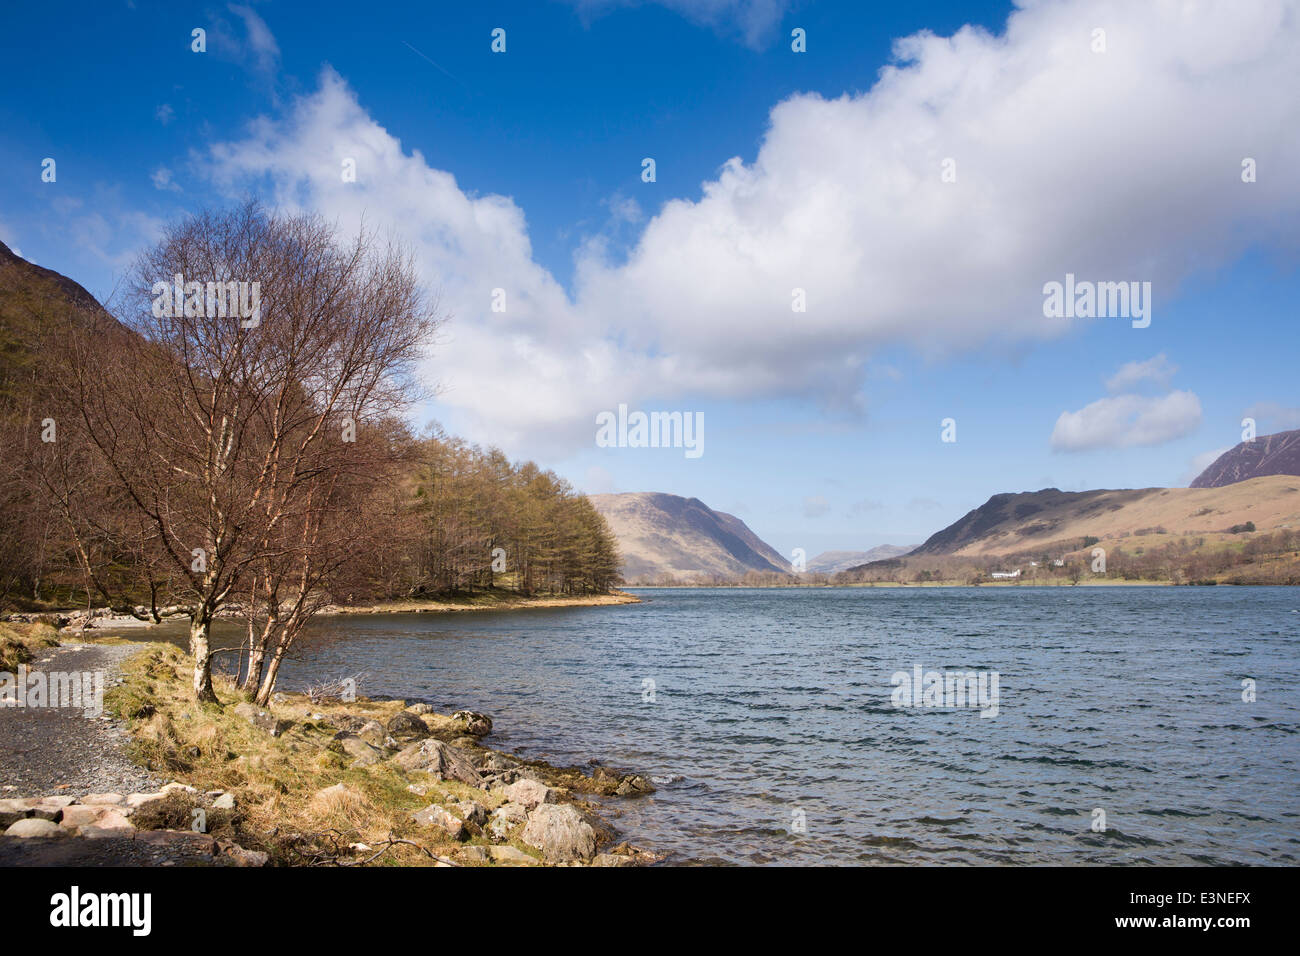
{"x":844,"y":200}
{"x":752,"y":20}
{"x":165,"y":113}
{"x":1157,"y":369}
{"x":264,"y":50}
{"x":1274,"y":416}
{"x":1124,"y":421}
{"x":162,"y":179}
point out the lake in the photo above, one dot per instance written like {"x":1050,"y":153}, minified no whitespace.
{"x":767,"y":717}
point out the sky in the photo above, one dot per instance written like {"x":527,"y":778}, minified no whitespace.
{"x":914,"y":177}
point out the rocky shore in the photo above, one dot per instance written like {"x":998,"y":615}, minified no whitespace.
{"x":305,"y":782}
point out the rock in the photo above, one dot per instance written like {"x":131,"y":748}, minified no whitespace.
{"x":473,"y":854}
{"x":363,"y":754}
{"x":559,"y":831}
{"x":440,"y":759}
{"x":236,"y":855}
{"x":11,"y":811}
{"x":634,"y":785}
{"x":406,"y":726}
{"x":262,"y":719}
{"x":419,"y":709}
{"x":224,"y":802}
{"x":99,"y":818}
{"x":476,"y":724}
{"x":505,"y":818}
{"x":371,"y":731}
{"x":529,"y":793}
{"x":177,"y":788}
{"x":94,"y":799}
{"x":472,"y":812}
{"x":612,"y":859}
{"x":510,"y":854}
{"x":135,"y":801}
{"x":435,"y":816}
{"x":35,"y":827}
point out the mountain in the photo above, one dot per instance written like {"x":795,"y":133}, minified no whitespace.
{"x":1051,"y":521}
{"x":1277,"y":454}
{"x":829,"y":562}
{"x":667,"y":535}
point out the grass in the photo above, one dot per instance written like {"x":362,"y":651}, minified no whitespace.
{"x":297,"y":796}
{"x":20,"y":643}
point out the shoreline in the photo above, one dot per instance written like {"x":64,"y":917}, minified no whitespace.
{"x":77,"y":621}
{"x":310,"y":780}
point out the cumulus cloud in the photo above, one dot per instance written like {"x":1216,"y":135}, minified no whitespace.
{"x":1124,"y":421}
{"x":845,"y":201}
{"x":1158,"y":370}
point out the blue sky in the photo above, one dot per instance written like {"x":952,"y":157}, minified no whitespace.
{"x":522,"y":171}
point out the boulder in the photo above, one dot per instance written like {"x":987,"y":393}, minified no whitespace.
{"x":224,"y":802}
{"x":362,"y":753}
{"x":35,"y":827}
{"x":98,"y":799}
{"x":419,"y":709}
{"x":612,"y":859}
{"x":529,"y":793}
{"x":472,"y":812}
{"x":435,"y":816}
{"x":505,"y":818}
{"x":406,"y":726}
{"x":262,"y":719}
{"x":440,"y":759}
{"x":559,"y":831}
{"x":510,"y":854}
{"x":371,"y":731}
{"x":476,"y":724}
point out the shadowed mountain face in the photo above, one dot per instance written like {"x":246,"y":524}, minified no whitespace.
{"x":662,"y":534}
{"x":1277,"y":454}
{"x":829,"y":562}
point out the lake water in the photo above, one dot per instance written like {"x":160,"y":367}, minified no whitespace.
{"x":773,"y":737}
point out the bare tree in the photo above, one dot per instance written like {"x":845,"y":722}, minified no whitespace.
{"x":258,"y":348}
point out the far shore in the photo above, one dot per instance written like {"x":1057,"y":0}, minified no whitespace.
{"x":485,"y":601}
{"x":75,"y":620}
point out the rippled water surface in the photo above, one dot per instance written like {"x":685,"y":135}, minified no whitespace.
{"x":769,"y":702}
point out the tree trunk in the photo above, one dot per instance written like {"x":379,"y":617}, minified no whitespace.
{"x":272,"y":673}
{"x":201,"y":651}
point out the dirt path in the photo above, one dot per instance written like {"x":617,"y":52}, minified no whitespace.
{"x":62,"y":750}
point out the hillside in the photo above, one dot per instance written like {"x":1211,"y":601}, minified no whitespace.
{"x":831,"y":562}
{"x":1276,"y":454}
{"x":664,"y":535}
{"x":1043,"y":520}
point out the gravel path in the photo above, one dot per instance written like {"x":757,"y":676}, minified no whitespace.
{"x":56,"y":750}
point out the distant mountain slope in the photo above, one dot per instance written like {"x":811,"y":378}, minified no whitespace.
{"x":829,"y":562}
{"x":1276,"y":454}
{"x":1048,"y":519}
{"x":661,"y":534}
